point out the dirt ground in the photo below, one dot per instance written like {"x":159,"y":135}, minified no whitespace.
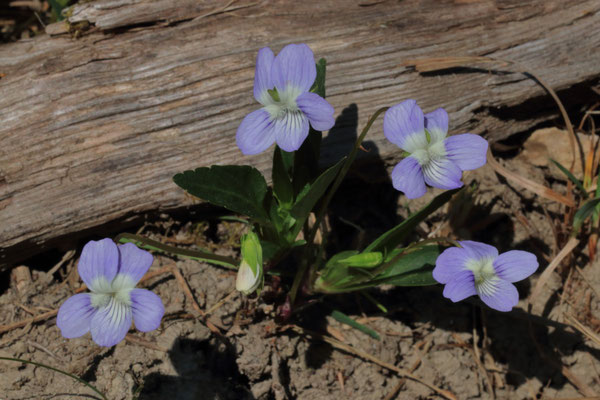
{"x":471,"y":351}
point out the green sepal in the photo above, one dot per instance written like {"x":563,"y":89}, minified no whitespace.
{"x":274,"y":94}
{"x":363,"y":260}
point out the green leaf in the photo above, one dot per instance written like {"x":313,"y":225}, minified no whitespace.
{"x":238,"y":188}
{"x":412,"y":268}
{"x":344,"y":319}
{"x":572,"y":178}
{"x":282,"y":184}
{"x":394,"y":237}
{"x":306,"y":202}
{"x":57,"y":7}
{"x":318,"y":86}
{"x":586,"y":210}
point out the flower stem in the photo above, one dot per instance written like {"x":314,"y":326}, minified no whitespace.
{"x":150,"y":244}
{"x":342,"y":174}
{"x":321,"y":213}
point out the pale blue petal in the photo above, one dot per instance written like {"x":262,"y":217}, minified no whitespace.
{"x":478,"y":251}
{"x":262,"y":74}
{"x":111,"y":323}
{"x":294,"y":66}
{"x":515,"y":265}
{"x":135,"y":262}
{"x":255,"y":134}
{"x":291,"y":130}
{"x":403,"y":125}
{"x":442,"y":173}
{"x":461,"y":287}
{"x":75,"y":316}
{"x":317,"y":109}
{"x":147,"y":309}
{"x":468,"y":151}
{"x":449,"y":264}
{"x":436,"y":122}
{"x":498,"y":294}
{"x":407,"y":177}
{"x":99,"y":261}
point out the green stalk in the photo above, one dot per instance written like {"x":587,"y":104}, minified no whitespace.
{"x":149,"y":244}
{"x":321,"y":213}
{"x":55,"y":370}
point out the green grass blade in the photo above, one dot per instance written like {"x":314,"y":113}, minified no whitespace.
{"x":344,"y":319}
{"x":572,"y":178}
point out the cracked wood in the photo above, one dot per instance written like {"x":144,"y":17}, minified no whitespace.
{"x":94,"y":127}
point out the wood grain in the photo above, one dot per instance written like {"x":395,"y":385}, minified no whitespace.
{"x":94,"y":127}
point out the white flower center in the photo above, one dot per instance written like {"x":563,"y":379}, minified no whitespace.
{"x":484,"y":274}
{"x":283,"y":104}
{"x":118,"y":291}
{"x":430,"y":152}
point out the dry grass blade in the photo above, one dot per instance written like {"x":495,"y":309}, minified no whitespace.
{"x":437,"y":64}
{"x":349,"y":349}
{"x":587,"y":332}
{"x":571,"y":244}
{"x":535,"y":187}
{"x":25,"y":322}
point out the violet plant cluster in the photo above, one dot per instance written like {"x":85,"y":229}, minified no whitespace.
{"x":290,"y":87}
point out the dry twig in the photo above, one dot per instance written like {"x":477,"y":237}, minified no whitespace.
{"x":349,"y":349}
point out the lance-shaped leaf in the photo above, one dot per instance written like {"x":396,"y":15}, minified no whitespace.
{"x":394,"y":237}
{"x":309,"y":197}
{"x":238,"y":188}
{"x":587,"y":209}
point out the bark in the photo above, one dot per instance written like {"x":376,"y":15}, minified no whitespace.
{"x":95,"y":122}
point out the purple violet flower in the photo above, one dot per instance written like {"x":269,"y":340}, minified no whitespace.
{"x":281,"y":85}
{"x":432,"y":157}
{"x":476,"y":268}
{"x":111,"y":273}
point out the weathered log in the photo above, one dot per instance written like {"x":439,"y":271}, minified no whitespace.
{"x":94,"y":124}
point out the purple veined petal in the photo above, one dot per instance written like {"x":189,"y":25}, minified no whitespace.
{"x":147,"y":309}
{"x":99,"y":259}
{"x":442,"y":173}
{"x":111,"y":323}
{"x":477,"y":250}
{"x":75,"y":316}
{"x":468,"y":151}
{"x":498,"y":294}
{"x":436,"y":122}
{"x":461,"y":287}
{"x":403,"y":125}
{"x":291,"y":130}
{"x":255,"y":134}
{"x":295,"y":66}
{"x":317,"y":109}
{"x":407,"y":177}
{"x":515,"y":265}
{"x":449,"y":264}
{"x":262,"y":74}
{"x":135,"y":262}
